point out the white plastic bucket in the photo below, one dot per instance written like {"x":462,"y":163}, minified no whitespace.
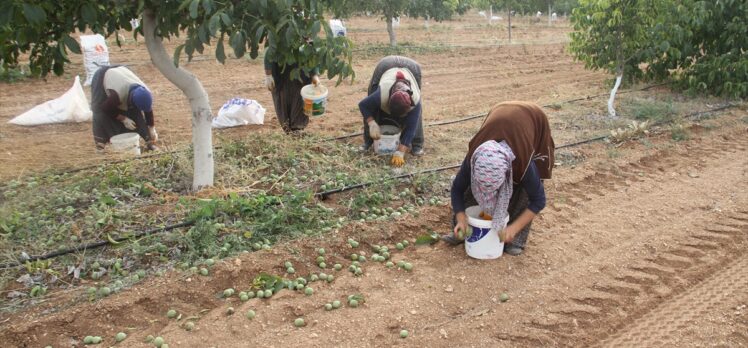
{"x":126,"y":143}
{"x":315,"y":99}
{"x":483,"y":243}
{"x":389,"y":141}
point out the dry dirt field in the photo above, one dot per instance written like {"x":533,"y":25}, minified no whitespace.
{"x":642,"y":244}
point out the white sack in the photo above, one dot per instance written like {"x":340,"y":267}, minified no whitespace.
{"x":70,"y":107}
{"x":95,"y":55}
{"x":239,"y":112}
{"x":337,"y":27}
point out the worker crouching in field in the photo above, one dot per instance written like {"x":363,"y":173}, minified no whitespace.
{"x":503,"y":171}
{"x":394,"y":97}
{"x":121,"y":103}
{"x":286,"y":92}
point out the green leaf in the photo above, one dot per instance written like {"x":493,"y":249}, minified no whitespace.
{"x":426,"y":239}
{"x":238,"y":43}
{"x":88,"y":13}
{"x":214,"y":24}
{"x":177,"y":53}
{"x":258,"y":34}
{"x":6,"y":13}
{"x":184,"y":5}
{"x":107,"y":199}
{"x":193,"y":8}
{"x":315,"y":28}
{"x":34,"y":14}
{"x":208,"y":6}
{"x":202,"y":34}
{"x":71,"y":44}
{"x":290,"y":35}
{"x":220,"y":54}
{"x":225,"y":19}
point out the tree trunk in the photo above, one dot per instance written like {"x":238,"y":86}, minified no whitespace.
{"x":490,"y":15}
{"x":391,"y":31}
{"x":509,"y":15}
{"x":611,"y":100}
{"x":549,"y":13}
{"x":202,"y":141}
{"x":426,"y":22}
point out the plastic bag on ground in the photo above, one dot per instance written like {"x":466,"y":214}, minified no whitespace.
{"x":95,"y":55}
{"x":70,"y":107}
{"x":337,"y":27}
{"x":239,"y":112}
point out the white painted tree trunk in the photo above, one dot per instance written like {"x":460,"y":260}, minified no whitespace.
{"x":549,"y":13}
{"x":611,"y":100}
{"x":426,"y":22}
{"x":202,"y":136}
{"x":391,"y":31}
{"x":490,"y":15}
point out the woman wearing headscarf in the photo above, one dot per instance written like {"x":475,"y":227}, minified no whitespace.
{"x":394,"y":97}
{"x":121,"y":103}
{"x":503,"y":171}
{"x":286,"y":92}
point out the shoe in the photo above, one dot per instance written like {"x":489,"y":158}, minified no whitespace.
{"x":417,"y":152}
{"x":151,"y":147}
{"x":513,"y":250}
{"x":451,"y":239}
{"x":364,"y":148}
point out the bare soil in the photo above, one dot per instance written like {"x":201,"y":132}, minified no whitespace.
{"x":457,"y":82}
{"x":644,"y":248}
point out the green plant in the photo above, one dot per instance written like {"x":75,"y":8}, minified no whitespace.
{"x":679,"y":133}
{"x":652,"y":110}
{"x":12,"y":74}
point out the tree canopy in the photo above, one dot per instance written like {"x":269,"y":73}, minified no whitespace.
{"x":699,"y":45}
{"x":42,"y":30}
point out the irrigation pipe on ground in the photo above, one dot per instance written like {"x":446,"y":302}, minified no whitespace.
{"x":321,"y":195}
{"x":471,"y":117}
{"x":439,"y":123}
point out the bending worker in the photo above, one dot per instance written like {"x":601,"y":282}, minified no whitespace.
{"x":395,"y":98}
{"x":503,"y":171}
{"x":121,"y":103}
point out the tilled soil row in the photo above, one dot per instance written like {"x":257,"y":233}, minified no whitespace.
{"x":677,"y":247}
{"x":590,"y":269}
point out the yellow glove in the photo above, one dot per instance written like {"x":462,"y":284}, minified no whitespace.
{"x":398,"y":159}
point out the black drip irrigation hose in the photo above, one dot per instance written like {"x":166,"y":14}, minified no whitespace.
{"x":439,"y":123}
{"x":471,"y":117}
{"x":95,"y":245}
{"x":321,"y":195}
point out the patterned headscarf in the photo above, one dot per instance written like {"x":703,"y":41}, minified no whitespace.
{"x":491,"y":179}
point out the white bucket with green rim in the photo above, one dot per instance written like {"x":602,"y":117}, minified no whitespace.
{"x":315,"y":99}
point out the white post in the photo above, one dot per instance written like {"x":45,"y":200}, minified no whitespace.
{"x":202,"y":136}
